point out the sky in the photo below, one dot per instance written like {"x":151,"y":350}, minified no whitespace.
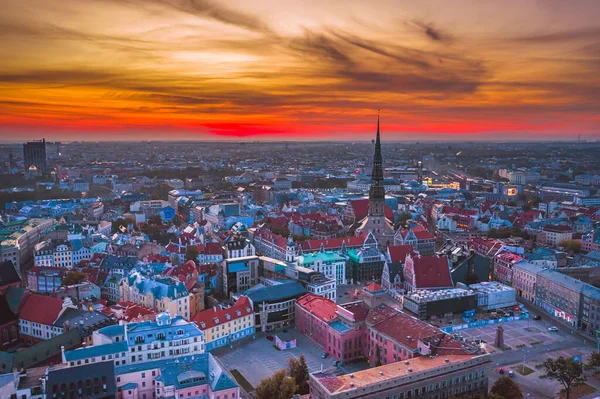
{"x":299,"y":70}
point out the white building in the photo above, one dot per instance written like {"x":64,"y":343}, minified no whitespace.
{"x":329,"y":263}
{"x":493,"y":295}
{"x":133,"y":343}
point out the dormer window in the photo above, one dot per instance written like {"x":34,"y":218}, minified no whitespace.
{"x":160,"y":336}
{"x":216,"y":319}
{"x":238,"y":313}
{"x":139,"y":339}
{"x":203,"y":325}
{"x":179,"y":332}
{"x":227,"y":316}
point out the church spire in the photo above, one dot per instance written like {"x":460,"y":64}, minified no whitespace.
{"x":377,"y":191}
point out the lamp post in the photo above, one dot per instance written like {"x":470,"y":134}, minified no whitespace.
{"x":524,"y":359}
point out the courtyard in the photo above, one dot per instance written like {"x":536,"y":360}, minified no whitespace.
{"x":259,"y":359}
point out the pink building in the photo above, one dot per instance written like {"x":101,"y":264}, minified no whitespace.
{"x":503,"y":263}
{"x":381,"y":334}
{"x":525,"y":278}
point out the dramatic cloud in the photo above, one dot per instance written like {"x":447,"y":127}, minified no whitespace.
{"x":297,"y":70}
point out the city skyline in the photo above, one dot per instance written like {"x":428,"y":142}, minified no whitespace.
{"x":201,"y":70}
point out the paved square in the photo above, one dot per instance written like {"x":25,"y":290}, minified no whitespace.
{"x":258,"y":359}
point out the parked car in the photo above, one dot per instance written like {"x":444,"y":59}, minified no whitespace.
{"x":511,"y":374}
{"x":270,"y":337}
{"x":501,"y":370}
{"x":537,"y":317}
{"x":553,"y":329}
{"x":324,"y":355}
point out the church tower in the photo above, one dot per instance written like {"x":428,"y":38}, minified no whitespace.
{"x":377,"y":190}
{"x":376,"y":222}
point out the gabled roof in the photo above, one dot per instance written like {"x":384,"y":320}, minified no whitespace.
{"x":360,"y":207}
{"x":431,"y":272}
{"x":8,"y":274}
{"x":215,"y":316}
{"x":41,"y":309}
{"x":397,"y":253}
{"x":213,"y":248}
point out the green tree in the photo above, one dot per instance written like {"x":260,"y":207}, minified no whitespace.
{"x":299,"y":372}
{"x":74,"y":277}
{"x":121,"y":223}
{"x":571,"y":245}
{"x":155,"y":219}
{"x":191,"y":253}
{"x":566,"y":371}
{"x":507,"y":388}
{"x":278,"y":386}
{"x":177,"y":220}
{"x":594,"y":361}
{"x":403,"y":217}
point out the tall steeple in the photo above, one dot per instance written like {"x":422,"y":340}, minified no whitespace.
{"x":377,"y":190}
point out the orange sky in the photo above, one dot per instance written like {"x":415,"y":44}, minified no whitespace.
{"x":289,"y":70}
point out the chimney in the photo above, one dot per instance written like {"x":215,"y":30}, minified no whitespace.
{"x":62,"y":352}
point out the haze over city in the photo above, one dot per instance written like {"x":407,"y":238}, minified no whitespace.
{"x":299,"y":70}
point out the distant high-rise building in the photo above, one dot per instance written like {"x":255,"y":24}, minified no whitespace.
{"x":34,"y":153}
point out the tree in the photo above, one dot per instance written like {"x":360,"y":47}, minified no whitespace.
{"x":191,"y":253}
{"x":403,"y":217}
{"x":299,"y":372}
{"x":278,"y":386}
{"x":74,"y":277}
{"x":507,"y":388}
{"x":566,"y":371}
{"x":155,"y":219}
{"x":177,"y":220}
{"x":571,"y":245}
{"x":594,"y":361}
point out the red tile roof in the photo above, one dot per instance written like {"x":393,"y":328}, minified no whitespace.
{"x":213,"y":248}
{"x":41,"y":309}
{"x":358,"y":309}
{"x":188,"y":267}
{"x":431,"y":272}
{"x":323,"y":308}
{"x":509,"y":257}
{"x":398,"y":252}
{"x":422,"y":233}
{"x":379,"y":314}
{"x":351,"y":242}
{"x":561,"y":228}
{"x":208,"y":318}
{"x":361,"y":209}
{"x":373,"y":287}
{"x":401,"y":326}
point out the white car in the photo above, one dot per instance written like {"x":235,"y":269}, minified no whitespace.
{"x":553,"y":329}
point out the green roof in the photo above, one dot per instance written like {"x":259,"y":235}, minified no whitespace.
{"x":353,"y":256}
{"x":14,"y":296}
{"x":40,"y":352}
{"x":325,"y":257}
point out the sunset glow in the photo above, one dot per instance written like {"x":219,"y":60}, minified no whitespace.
{"x":299,"y":70}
